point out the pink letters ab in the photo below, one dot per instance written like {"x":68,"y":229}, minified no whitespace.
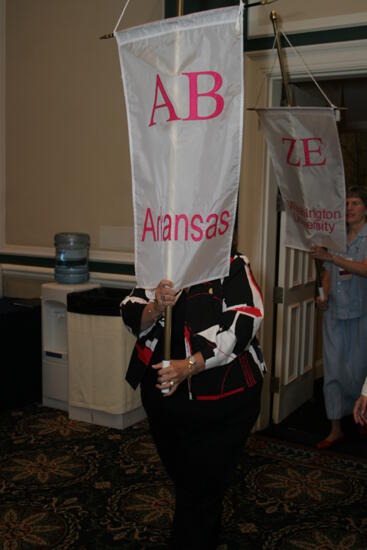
{"x":193,"y":95}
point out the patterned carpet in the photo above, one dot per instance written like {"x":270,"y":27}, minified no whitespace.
{"x":66,"y":484}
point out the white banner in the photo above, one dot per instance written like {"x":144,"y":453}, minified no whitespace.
{"x":183,"y":83}
{"x":304,"y":146}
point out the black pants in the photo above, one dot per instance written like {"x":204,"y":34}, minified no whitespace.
{"x":199,"y":443}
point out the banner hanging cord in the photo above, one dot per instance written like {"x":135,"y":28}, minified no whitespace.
{"x":242,"y":6}
{"x":265,"y":76}
{"x":331,"y":104}
{"x":121,"y":16}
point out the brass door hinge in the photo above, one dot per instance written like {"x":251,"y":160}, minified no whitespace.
{"x":278,"y":295}
{"x":274,"y":384}
{"x":280,"y":203}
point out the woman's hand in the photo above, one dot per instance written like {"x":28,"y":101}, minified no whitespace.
{"x":322,"y":304}
{"x":170,"y":377}
{"x":321,"y":253}
{"x":178,"y":370}
{"x":360,"y":411}
{"x":165,"y":295}
{"x":352,"y":266}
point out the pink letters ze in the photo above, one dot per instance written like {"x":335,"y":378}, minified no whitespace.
{"x":312,"y":153}
{"x":193,"y":95}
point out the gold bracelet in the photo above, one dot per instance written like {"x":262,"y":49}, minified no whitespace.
{"x":191,"y":366}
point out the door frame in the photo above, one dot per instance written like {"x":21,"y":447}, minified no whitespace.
{"x":257,"y":215}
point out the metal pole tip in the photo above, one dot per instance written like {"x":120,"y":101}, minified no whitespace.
{"x":106,"y":36}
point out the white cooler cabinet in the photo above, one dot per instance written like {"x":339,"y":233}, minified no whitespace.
{"x":99,"y":349}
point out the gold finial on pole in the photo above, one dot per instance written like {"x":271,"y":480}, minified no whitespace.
{"x":106,"y":36}
{"x":283,"y":70}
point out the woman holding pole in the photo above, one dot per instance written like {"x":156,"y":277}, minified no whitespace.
{"x":344,"y":283}
{"x":202,"y":407}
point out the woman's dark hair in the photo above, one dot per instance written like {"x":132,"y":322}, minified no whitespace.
{"x":358,"y":191}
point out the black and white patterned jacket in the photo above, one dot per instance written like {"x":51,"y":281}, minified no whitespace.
{"x":220,"y":319}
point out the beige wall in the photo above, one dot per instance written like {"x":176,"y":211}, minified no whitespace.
{"x":67,"y":154}
{"x":22,"y":287}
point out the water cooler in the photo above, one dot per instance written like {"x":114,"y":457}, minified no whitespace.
{"x":55,"y":342}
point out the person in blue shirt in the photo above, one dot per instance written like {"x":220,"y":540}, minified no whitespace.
{"x":344,"y":282}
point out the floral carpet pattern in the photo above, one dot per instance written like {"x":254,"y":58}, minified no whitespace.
{"x":71,"y":485}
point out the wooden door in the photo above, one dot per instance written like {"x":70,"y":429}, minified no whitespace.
{"x":295,"y":330}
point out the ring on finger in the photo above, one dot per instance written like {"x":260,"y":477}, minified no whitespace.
{"x":171,"y":383}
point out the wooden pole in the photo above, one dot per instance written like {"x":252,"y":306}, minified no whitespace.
{"x":168,"y":309}
{"x":180,"y":8}
{"x":283,"y":70}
